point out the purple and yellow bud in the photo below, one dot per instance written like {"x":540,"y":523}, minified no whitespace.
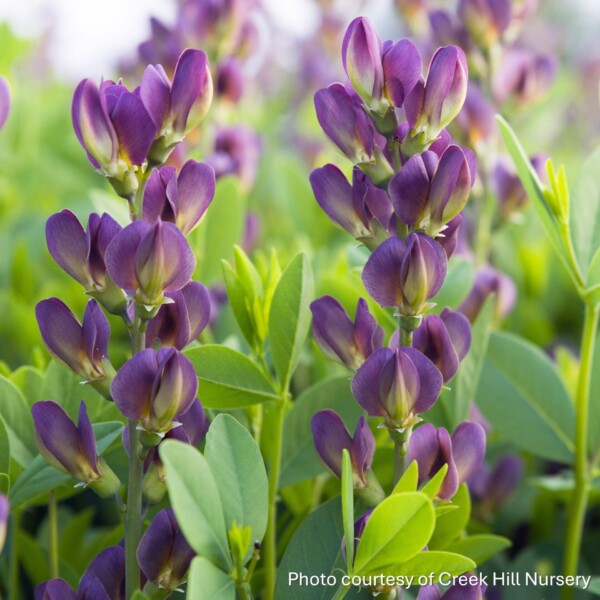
{"x":341,"y":338}
{"x":155,"y":388}
{"x":402,"y":66}
{"x":485,"y":20}
{"x":398,"y":384}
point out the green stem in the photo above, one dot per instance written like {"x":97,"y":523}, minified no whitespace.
{"x":406,"y":337}
{"x":270,"y":545}
{"x":13,"y":587}
{"x":341,"y":592}
{"x":53,"y":528}
{"x":580,"y":495}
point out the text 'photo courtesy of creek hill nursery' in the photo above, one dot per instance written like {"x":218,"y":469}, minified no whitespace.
{"x":299,"y":300}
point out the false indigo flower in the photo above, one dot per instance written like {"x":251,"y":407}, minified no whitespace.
{"x":402,"y":66}
{"x":155,"y":387}
{"x":180,"y":199}
{"x":485,"y":20}
{"x":55,"y":589}
{"x":230,"y":80}
{"x":339,"y":337}
{"x":429,"y":191}
{"x":477,"y":117}
{"x":450,"y":237}
{"x":83,"y":348}
{"x":147,"y":260}
{"x":178,"y":323}
{"x":104,"y":579}
{"x":406,"y":274}
{"x":455,"y":592}
{"x":397,"y":384}
{"x":359,"y":528}
{"x":331,"y":437}
{"x":493,"y":487}
{"x":463,"y":453}
{"x":4,"y":101}
{"x":164,"y":554}
{"x":4,"y":513}
{"x":72,"y":448}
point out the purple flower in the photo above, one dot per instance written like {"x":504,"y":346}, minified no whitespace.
{"x":345,"y":122}
{"x":339,"y":337}
{"x":55,"y":589}
{"x":402,"y":66}
{"x":155,"y":387}
{"x":406,"y":274}
{"x":463,"y":453}
{"x":147,"y":260}
{"x":455,"y":592}
{"x":180,"y":199}
{"x":230,"y":80}
{"x":429,"y":191}
{"x":331,"y":438}
{"x":444,"y":340}
{"x":83,"y":348}
{"x":359,"y":528}
{"x":397,"y":384}
{"x":104,"y":579}
{"x":485,"y":20}
{"x":492,"y":488}
{"x":164,"y":554}
{"x":4,"y":101}
{"x":434,"y":104}
{"x":113,"y":126}
{"x":71,"y":448}
{"x":450,"y":237}
{"x":4,"y":514}
{"x":178,"y":323}
{"x":179,"y":107}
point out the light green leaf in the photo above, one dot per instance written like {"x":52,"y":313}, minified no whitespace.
{"x":289,"y":318}
{"x":449,"y":526}
{"x":348,"y":507}
{"x":430,"y":563}
{"x":594,"y":587}
{"x":409,"y":480}
{"x":239,"y":472}
{"x":457,"y":284}
{"x":237,"y":301}
{"x":480,"y":547}
{"x":195,"y":499}
{"x":207,"y":582}
{"x":524,"y":398}
{"x":18,"y":422}
{"x":4,"y":450}
{"x":228,"y":379}
{"x":299,"y":459}
{"x":397,"y":530}
{"x":432,"y":487}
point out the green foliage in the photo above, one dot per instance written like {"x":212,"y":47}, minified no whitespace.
{"x":207,"y":582}
{"x":450,"y":525}
{"x":479,"y":548}
{"x":348,"y":507}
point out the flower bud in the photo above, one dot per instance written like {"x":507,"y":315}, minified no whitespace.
{"x":4,"y":101}
{"x":485,"y":20}
{"x":449,"y":239}
{"x":104,"y":579}
{"x":492,"y":488}
{"x":402,"y":66}
{"x":230,"y":80}
{"x":55,"y":589}
{"x":155,"y":387}
{"x":338,"y":337}
{"x":407,"y":274}
{"x":397,"y":384}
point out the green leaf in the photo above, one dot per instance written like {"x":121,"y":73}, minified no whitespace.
{"x":594,"y":587}
{"x":450,"y":525}
{"x":594,"y":416}
{"x":348,"y":507}
{"x":457,"y":284}
{"x":39,"y":477}
{"x":432,"y":487}
{"x":457,"y":400}
{"x":195,"y":499}
{"x":524,"y":398}
{"x":239,"y":472}
{"x":409,"y":480}
{"x":207,"y":582}
{"x":237,"y":301}
{"x":433,"y":562}
{"x":289,"y":318}
{"x":4,"y":450}
{"x":480,"y":547}
{"x":228,"y":379}
{"x":398,"y":529}
{"x":299,"y":459}
{"x":18,"y":422}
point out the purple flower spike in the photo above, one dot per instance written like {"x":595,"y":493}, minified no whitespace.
{"x":345,"y":122}
{"x":104,"y":579}
{"x":69,"y":448}
{"x":81,"y":347}
{"x":331,"y":437}
{"x":433,"y":105}
{"x":362,"y":59}
{"x":463,"y":453}
{"x":155,"y":387}
{"x":147,"y":260}
{"x":397,"y":384}
{"x":181,"y":199}
{"x":164,"y":554}
{"x":178,"y":323}
{"x":402,"y":66}
{"x":339,"y":337}
{"x":406,"y":275}
{"x":55,"y":589}
{"x":4,"y":101}
{"x":485,"y":20}
{"x":445,"y":340}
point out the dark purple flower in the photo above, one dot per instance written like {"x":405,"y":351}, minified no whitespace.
{"x":429,"y":191}
{"x":492,"y":488}
{"x":402,"y":66}
{"x":104,"y":579}
{"x":485,"y":20}
{"x":113,"y":126}
{"x":4,"y":101}
{"x":147,"y":260}
{"x":181,"y":321}
{"x":155,"y":387}
{"x":180,"y":199}
{"x":463,"y":453}
{"x":450,"y":237}
{"x":83,"y":348}
{"x":230,"y":80}
{"x":164,"y":554}
{"x":331,"y":438}
{"x":433,"y":104}
{"x":55,"y":589}
{"x":397,"y":384}
{"x":407,"y":274}
{"x":179,"y":107}
{"x":345,"y":122}
{"x":445,"y":340}
{"x":339,"y":337}
{"x":4,"y":514}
